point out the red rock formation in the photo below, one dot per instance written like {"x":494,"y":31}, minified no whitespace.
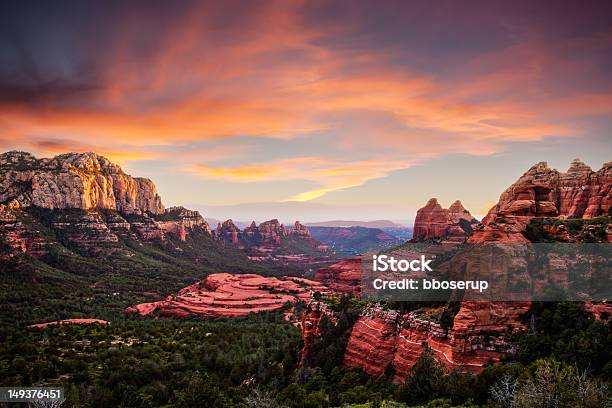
{"x":180,"y":221}
{"x":271,"y":232}
{"x":222,"y":294}
{"x":270,"y":241}
{"x":546,"y":193}
{"x":228,"y":231}
{"x":601,"y":310}
{"x":310,"y":326}
{"x":18,"y":237}
{"x":344,"y":276}
{"x":251,"y":230}
{"x":432,"y":221}
{"x":372,"y":344}
{"x":300,"y":229}
{"x":380,"y":338}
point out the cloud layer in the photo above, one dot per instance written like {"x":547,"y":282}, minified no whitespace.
{"x":332,"y":94}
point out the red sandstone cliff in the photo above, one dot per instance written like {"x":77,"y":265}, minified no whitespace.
{"x":432,"y":221}
{"x":385,"y":337}
{"x":547,"y":193}
{"x":481,"y":329}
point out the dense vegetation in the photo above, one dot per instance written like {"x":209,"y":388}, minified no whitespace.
{"x":148,"y":363}
{"x":252,"y":362}
{"x":578,"y":229}
{"x":563,"y":359}
{"x":72,"y":281}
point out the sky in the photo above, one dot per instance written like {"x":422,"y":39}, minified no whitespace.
{"x":311,"y":110}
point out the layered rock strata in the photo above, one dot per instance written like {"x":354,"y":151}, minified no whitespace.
{"x":84,"y":200}
{"x":222,"y":294}
{"x":545,"y":193}
{"x":343,"y":276}
{"x":74,"y":181}
{"x":382,"y":338}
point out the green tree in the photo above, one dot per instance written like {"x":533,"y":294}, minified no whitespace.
{"x":425,"y":381}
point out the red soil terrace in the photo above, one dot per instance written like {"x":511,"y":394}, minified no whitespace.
{"x":223,"y":294}
{"x":69,"y":321}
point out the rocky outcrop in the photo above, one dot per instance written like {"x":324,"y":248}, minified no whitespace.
{"x":545,"y":193}
{"x":434,"y":222}
{"x":227,"y":231}
{"x":343,"y":276}
{"x":222,"y":294}
{"x":271,"y":232}
{"x":382,"y":338}
{"x":180,"y":221}
{"x":74,"y":181}
{"x":271,"y":241}
{"x":310,"y":325}
{"x":481,"y":329}
{"x":85,"y":202}
{"x":300,"y":229}
{"x":18,"y":237}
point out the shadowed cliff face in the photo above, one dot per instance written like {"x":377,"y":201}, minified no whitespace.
{"x":74,"y":181}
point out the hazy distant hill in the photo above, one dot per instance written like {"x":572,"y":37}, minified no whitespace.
{"x":366,"y":224}
{"x":354,"y":240}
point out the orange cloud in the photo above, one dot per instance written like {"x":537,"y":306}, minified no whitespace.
{"x":332,"y":175}
{"x":272,"y":75}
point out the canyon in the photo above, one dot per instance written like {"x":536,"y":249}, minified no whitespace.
{"x":480,"y":330}
{"x":354,"y":240}
{"x":62,"y":216}
{"x":88,"y":203}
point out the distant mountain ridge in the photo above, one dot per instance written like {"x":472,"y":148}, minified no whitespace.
{"x":366,"y":224}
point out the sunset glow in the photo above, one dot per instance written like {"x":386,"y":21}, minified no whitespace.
{"x":308,"y":100}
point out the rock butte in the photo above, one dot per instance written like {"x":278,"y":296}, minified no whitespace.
{"x":68,"y":321}
{"x":432,"y":221}
{"x":223,"y":294}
